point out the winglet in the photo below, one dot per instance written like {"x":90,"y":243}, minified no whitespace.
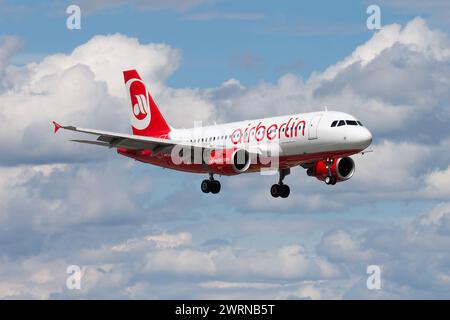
{"x":57,"y":126}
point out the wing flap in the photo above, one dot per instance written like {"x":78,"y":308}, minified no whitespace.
{"x":98,"y":143}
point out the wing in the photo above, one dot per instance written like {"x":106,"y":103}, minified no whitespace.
{"x":132,"y":142}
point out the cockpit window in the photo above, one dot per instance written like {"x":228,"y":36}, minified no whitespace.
{"x":339,"y":123}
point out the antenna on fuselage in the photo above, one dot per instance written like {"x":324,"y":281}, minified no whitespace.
{"x":326,"y":108}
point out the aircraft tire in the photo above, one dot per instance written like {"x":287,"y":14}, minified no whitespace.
{"x":284,"y":191}
{"x":215,"y":186}
{"x":275,"y":190}
{"x":206,"y":186}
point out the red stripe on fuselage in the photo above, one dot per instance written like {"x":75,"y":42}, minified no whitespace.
{"x":165,"y":160}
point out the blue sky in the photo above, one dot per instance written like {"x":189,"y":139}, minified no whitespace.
{"x":216,"y":37}
{"x":139,"y":231}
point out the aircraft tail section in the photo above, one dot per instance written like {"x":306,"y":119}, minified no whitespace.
{"x":146,"y":119}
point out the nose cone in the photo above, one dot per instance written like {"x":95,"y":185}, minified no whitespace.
{"x":363,"y":138}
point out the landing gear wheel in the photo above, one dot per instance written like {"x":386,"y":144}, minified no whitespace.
{"x":280,"y":189}
{"x":275,"y":190}
{"x":333,"y":181}
{"x":215,"y":186}
{"x":330,"y":180}
{"x":284,"y":191}
{"x":206,"y":186}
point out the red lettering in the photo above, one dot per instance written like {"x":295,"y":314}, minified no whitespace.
{"x":279,"y":133}
{"x":294,"y":133}
{"x":260,"y":135}
{"x":303,"y":123}
{"x":236,"y":136}
{"x":269,"y":131}
{"x":287,"y":129}
{"x":250,"y":133}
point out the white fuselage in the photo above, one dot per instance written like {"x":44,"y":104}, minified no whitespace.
{"x":297,"y":134}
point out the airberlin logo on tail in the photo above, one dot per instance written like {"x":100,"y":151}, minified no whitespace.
{"x":140,"y":103}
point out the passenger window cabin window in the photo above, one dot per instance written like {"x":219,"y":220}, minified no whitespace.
{"x":341,"y":123}
{"x":334,"y":123}
{"x":351,"y":122}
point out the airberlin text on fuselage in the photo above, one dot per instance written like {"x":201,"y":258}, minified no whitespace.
{"x":292,"y":129}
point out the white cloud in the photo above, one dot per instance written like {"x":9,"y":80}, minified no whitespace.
{"x":9,"y":45}
{"x":339,"y":245}
{"x":416,"y":35}
{"x":413,"y":259}
{"x":159,"y":241}
{"x":393,"y":166}
{"x":237,"y":285}
{"x":289,"y":262}
{"x":85,"y":88}
{"x":439,"y":216}
{"x":40,"y":200}
{"x":437,"y":183}
{"x":107,"y":56}
{"x":185,"y":262}
{"x":393,"y":82}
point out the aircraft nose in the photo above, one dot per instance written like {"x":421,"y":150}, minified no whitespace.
{"x":364,"y":138}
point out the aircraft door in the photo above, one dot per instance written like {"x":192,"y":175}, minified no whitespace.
{"x":313,"y":126}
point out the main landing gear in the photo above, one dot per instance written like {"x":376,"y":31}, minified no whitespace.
{"x":210,"y":185}
{"x":329,"y":179}
{"x":281,"y":190}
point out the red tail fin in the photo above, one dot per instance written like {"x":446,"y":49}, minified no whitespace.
{"x":146,"y":119}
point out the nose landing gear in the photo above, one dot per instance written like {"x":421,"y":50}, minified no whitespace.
{"x":329,"y":179}
{"x":281,"y":190}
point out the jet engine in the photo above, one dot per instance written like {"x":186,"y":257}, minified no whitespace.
{"x":341,"y":169}
{"x":229,"y":161}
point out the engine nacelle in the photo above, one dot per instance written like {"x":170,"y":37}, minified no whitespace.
{"x":229,"y":161}
{"x":342,"y":168}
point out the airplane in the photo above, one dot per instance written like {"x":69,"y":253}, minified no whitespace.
{"x":320,"y":142}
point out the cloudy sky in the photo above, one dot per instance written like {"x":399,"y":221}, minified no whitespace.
{"x":139,"y":231}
